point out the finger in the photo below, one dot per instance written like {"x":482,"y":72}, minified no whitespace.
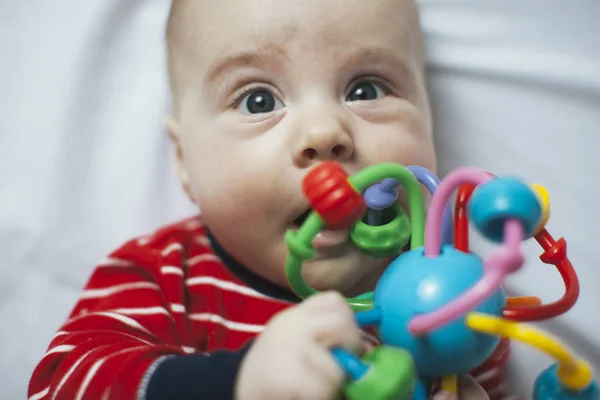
{"x":331,"y":322}
{"x":311,"y":374}
{"x":329,"y":300}
{"x":444,"y":395}
{"x":334,"y":330}
{"x":325,"y":365}
{"x":469,"y":389}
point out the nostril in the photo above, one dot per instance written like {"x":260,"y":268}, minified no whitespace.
{"x":310,"y":154}
{"x":338,"y":150}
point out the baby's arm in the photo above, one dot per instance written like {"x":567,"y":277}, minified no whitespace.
{"x":125,"y":340}
{"x":121,"y":341}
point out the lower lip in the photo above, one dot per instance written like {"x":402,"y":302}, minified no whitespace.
{"x":328,"y":238}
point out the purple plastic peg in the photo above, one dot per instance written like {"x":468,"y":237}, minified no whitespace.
{"x":384,"y":194}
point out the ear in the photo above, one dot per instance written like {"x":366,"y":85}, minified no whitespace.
{"x":172,"y":126}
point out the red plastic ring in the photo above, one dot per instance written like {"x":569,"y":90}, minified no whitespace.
{"x":332,"y":196}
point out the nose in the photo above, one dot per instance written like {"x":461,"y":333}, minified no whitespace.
{"x":323,"y":137}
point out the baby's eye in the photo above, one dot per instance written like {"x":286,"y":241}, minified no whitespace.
{"x":259,"y":101}
{"x":364,"y":91}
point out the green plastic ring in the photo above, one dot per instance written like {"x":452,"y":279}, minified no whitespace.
{"x":380,"y":241}
{"x":392,"y":376}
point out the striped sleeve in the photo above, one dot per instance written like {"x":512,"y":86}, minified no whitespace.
{"x":121,"y":340}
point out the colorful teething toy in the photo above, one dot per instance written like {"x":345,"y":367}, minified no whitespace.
{"x":440,"y":309}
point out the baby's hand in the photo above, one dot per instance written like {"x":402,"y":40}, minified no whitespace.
{"x":468,"y":389}
{"x":291,"y":359}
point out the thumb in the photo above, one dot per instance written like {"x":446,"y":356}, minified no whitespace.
{"x":444,"y":395}
{"x":469,"y":389}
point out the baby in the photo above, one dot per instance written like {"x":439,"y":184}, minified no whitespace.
{"x":262,"y":91}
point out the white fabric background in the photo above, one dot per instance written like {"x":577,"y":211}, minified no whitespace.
{"x":85,"y":163}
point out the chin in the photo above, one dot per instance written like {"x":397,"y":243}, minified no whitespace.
{"x":352,"y":274}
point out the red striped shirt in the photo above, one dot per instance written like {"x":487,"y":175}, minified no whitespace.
{"x":163,"y":294}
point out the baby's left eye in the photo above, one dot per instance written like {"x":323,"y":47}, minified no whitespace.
{"x":365,"y":91}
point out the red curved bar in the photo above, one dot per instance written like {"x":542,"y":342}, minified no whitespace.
{"x":461,"y":221}
{"x":555,"y":253}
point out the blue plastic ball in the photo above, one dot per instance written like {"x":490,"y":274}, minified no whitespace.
{"x":495,"y":201}
{"x":548,"y":387}
{"x":414,"y":284}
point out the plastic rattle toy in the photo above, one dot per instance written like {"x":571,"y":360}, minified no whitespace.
{"x":439,"y":309}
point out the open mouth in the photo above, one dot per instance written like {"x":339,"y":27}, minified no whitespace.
{"x":326,"y":240}
{"x":302,"y":217}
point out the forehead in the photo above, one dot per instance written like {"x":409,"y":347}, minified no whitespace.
{"x":209,"y":29}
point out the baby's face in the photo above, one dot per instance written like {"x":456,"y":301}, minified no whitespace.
{"x":266,"y":89}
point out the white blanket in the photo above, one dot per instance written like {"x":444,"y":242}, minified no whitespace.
{"x":85,"y":163}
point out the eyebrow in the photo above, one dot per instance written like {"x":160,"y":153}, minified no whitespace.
{"x":270,"y":54}
{"x":379,"y":55}
{"x":273,"y":55}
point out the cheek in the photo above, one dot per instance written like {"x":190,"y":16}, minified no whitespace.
{"x":406,"y":139}
{"x":216,"y":181}
{"x":232,"y":181}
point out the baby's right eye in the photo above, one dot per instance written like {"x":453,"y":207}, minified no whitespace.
{"x":258,"y":101}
